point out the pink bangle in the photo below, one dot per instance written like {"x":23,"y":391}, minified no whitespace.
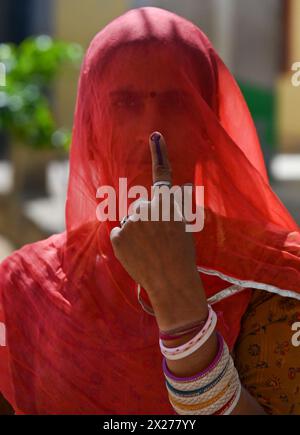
{"x":180,"y":332}
{"x":167,"y":337}
{"x":212,"y":365}
{"x":194,"y":343}
{"x":184,"y":346}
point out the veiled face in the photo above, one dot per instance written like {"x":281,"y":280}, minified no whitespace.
{"x":146,"y":90}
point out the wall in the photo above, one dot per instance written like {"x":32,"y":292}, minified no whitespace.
{"x":288,"y":96}
{"x":78,"y":21}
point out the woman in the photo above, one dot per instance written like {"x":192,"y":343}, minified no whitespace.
{"x":83,"y":309}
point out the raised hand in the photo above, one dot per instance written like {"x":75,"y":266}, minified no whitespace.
{"x":160,"y":255}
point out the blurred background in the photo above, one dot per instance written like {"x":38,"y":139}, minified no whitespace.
{"x":41,"y":47}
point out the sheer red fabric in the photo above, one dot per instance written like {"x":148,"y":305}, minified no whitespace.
{"x":77,"y":339}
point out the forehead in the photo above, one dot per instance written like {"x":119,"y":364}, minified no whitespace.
{"x":149,"y":69}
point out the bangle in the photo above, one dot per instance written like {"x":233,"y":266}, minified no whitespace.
{"x":213,"y":405}
{"x":213,"y":391}
{"x":181,"y":331}
{"x":195,"y":343}
{"x":197,"y":404}
{"x":205,"y":389}
{"x":199,"y":375}
{"x":230,"y":406}
{"x":235,"y":401}
{"x":208,"y":391}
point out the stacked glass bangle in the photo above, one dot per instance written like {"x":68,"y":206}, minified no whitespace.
{"x":194,"y":343}
{"x":180,"y":332}
{"x":214,"y":391}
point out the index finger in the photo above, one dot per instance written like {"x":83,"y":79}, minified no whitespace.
{"x":161,"y":167}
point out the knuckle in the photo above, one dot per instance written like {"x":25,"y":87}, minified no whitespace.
{"x":163,"y":172}
{"x":116,"y":241}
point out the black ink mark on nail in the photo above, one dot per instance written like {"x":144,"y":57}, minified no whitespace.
{"x":156,"y":139}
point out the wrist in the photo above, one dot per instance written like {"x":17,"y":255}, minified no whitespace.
{"x":172,"y":284}
{"x":180,"y":308}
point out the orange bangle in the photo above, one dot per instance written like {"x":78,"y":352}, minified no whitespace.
{"x":201,"y":405}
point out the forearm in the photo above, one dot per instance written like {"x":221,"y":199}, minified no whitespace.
{"x":178,"y":311}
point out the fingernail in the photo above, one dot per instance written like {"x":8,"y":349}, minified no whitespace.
{"x":156,"y":139}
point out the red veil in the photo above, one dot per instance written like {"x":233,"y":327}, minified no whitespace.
{"x":77,"y":338}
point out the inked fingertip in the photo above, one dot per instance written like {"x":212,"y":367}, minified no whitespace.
{"x":155,"y":137}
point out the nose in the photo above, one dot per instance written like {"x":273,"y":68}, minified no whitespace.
{"x":150,"y":121}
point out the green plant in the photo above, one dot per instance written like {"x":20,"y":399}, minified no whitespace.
{"x":25,"y":103}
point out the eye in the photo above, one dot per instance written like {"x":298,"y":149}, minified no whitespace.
{"x":173,"y":100}
{"x":127,"y":101}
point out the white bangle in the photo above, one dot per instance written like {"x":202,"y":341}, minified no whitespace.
{"x":191,"y":346}
{"x":209,"y":394}
{"x":206,"y":381}
{"x":233,"y":389}
{"x":235,"y":402}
